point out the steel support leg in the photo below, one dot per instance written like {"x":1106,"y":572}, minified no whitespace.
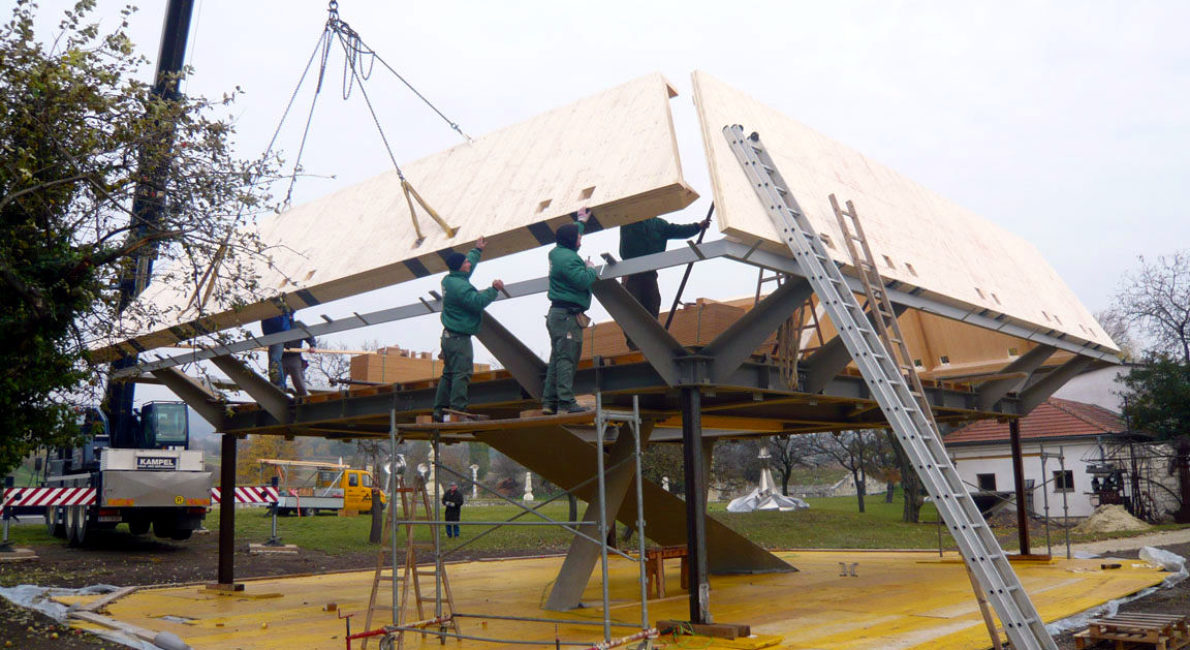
{"x":696,"y":510}
{"x":1018,"y":479}
{"x":227,"y":512}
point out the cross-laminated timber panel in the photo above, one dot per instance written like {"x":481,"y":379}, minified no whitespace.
{"x":615,"y":151}
{"x":917,"y":236}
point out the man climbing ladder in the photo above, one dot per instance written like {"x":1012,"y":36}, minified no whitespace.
{"x":462,"y":311}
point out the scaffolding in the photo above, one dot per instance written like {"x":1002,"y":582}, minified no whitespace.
{"x":605,"y":422}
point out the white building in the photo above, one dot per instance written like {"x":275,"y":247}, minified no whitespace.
{"x":1069,"y":449}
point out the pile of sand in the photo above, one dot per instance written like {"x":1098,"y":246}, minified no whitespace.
{"x":1109,"y":519}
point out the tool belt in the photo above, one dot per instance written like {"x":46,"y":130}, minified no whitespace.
{"x":581,"y":318}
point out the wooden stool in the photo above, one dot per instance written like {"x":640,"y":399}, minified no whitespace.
{"x":655,"y":568}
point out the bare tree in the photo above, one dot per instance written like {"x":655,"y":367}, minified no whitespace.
{"x":1116,"y":324}
{"x":788,"y":452}
{"x":851,"y":449}
{"x":1157,"y":297}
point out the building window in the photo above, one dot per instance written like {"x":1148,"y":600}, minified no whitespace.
{"x":986,"y":482}
{"x":1064,"y":481}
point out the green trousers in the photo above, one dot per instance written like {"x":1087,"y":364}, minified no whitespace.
{"x":457,"y":364}
{"x":566,"y":346}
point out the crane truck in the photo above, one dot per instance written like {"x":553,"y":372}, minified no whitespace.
{"x":146,"y":478}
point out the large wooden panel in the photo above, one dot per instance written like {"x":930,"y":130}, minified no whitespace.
{"x":615,"y":151}
{"x":918,"y":237}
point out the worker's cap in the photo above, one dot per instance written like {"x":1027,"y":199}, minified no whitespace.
{"x":453,"y":484}
{"x":567,"y":236}
{"x":454,"y":261}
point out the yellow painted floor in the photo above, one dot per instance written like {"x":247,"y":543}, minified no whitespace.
{"x":897,"y":600}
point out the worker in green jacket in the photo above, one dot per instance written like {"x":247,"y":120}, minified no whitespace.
{"x":645,"y":238}
{"x":462,"y":310}
{"x":570,"y":295}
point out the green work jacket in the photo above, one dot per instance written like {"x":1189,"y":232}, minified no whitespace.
{"x":570,"y":277}
{"x":650,"y":236}
{"x":462,"y":303}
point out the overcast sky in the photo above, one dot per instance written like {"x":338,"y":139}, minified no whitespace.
{"x":1064,"y":122}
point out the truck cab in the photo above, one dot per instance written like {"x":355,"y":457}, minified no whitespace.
{"x":354,"y":485}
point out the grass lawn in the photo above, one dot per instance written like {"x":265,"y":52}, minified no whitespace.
{"x":828,"y":523}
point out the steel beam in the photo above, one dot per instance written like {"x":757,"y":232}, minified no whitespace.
{"x":911,"y":297}
{"x":659,"y":346}
{"x":583,"y":555}
{"x":740,"y":340}
{"x":1041,"y":390}
{"x":271,"y":398}
{"x":204,"y":402}
{"x":227,"y":512}
{"x":516,"y":357}
{"x":696,"y":508}
{"x":990,"y":392}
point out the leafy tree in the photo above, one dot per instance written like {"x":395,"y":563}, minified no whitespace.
{"x":1158,"y":401}
{"x":78,"y":128}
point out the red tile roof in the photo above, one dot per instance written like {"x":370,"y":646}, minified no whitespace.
{"x":1056,"y":418}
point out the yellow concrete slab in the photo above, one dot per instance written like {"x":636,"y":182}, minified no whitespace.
{"x":896,"y":600}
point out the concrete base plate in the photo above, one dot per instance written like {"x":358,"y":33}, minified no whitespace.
{"x":263,"y":549}
{"x":18,"y":555}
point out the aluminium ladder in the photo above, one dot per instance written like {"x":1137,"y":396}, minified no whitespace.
{"x":901,"y":403}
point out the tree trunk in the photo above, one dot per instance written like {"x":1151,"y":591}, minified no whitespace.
{"x":910,"y":482}
{"x":1182,"y":516}
{"x":889,"y":489}
{"x":573,"y":511}
{"x":785,"y":483}
{"x":377,"y":518}
{"x":859,"y":489}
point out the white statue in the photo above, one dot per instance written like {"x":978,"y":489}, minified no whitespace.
{"x":528,"y":486}
{"x":665,"y":483}
{"x":474,"y":481}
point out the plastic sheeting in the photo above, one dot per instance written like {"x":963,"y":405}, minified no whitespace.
{"x":41,"y":599}
{"x":1171,"y":562}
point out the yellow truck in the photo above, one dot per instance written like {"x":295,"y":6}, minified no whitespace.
{"x":309,"y":487}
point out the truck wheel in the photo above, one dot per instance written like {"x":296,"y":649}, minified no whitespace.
{"x":84,"y":526}
{"x":308,"y":512}
{"x":182,"y":534}
{"x":138,"y":527}
{"x":164,"y":529}
{"x":72,"y":525}
{"x":53,"y":523}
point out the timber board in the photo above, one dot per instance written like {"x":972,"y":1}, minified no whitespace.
{"x":930,"y":242}
{"x":615,"y":151}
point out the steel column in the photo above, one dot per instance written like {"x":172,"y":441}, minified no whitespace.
{"x":196,"y":396}
{"x":526,"y":367}
{"x":227,"y":512}
{"x":1018,"y":480}
{"x":270,"y":397}
{"x":735,"y":344}
{"x":696,"y":511}
{"x":659,"y":347}
{"x":1040,"y":390}
{"x":990,"y":392}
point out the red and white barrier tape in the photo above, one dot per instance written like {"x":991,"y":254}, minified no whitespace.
{"x":249,"y":494}
{"x":48,"y":496}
